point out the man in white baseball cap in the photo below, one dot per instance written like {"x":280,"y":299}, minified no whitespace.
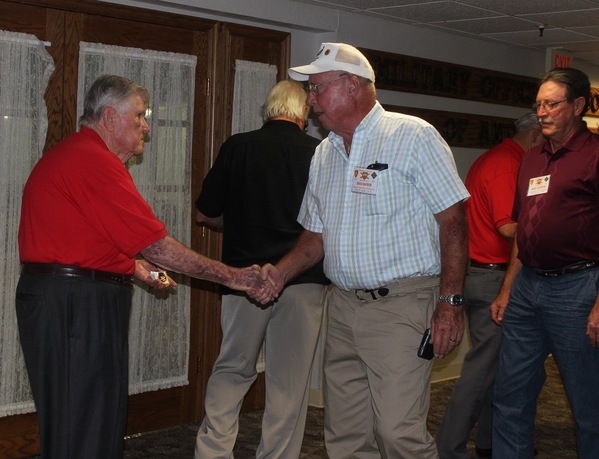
{"x":335,"y":56}
{"x":384,"y":207}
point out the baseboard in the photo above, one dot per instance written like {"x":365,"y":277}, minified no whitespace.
{"x":316,"y":398}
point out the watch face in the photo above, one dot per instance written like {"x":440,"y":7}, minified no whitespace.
{"x":456,"y":300}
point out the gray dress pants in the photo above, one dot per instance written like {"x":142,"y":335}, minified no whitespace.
{"x":471,"y":400}
{"x":290,"y":330}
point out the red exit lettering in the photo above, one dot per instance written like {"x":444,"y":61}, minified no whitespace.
{"x":563,"y":61}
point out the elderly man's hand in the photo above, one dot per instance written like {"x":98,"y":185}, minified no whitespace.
{"x":593,"y":325}
{"x":447,"y":328}
{"x":274,"y":276}
{"x":252,"y":281}
{"x":142,"y":271}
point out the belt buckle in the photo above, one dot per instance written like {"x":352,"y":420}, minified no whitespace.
{"x":381,"y":291}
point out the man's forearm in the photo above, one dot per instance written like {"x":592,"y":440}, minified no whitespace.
{"x":513,"y":268}
{"x":213,"y":222}
{"x":308,"y":251}
{"x":174,"y":256}
{"x":453,"y":238}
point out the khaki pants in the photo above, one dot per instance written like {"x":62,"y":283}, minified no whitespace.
{"x":291,"y":328}
{"x":377,"y":388}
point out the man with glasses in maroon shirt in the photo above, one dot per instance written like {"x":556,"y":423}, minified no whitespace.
{"x":548,"y":303}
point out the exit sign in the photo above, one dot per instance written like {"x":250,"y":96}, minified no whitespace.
{"x":558,"y":57}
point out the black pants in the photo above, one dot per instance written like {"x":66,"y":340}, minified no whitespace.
{"x":73,"y":332}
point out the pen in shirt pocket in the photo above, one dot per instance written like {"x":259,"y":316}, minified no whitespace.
{"x":378,"y":166}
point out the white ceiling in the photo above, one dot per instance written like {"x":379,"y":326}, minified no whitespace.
{"x":572,"y":25}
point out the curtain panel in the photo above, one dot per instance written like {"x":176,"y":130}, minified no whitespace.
{"x":253,"y":81}
{"x":25,"y":68}
{"x":159,"y":325}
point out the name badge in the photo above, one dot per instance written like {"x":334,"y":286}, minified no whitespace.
{"x":538,"y":185}
{"x":364,"y":181}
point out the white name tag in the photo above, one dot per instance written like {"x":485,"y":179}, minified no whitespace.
{"x":364,"y":181}
{"x":538,"y":185}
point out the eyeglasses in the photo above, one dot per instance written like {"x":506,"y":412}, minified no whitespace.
{"x":315,"y":88}
{"x":547,"y":106}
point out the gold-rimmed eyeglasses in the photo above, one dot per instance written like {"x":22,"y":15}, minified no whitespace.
{"x":547,"y":106}
{"x":315,"y":88}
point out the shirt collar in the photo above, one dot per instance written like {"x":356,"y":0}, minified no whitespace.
{"x":366,"y":126}
{"x":576,"y":142}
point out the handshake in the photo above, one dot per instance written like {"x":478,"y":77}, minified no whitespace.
{"x":263,"y":284}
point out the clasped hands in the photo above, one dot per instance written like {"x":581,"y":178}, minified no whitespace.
{"x":266,"y":283}
{"x":261,"y":284}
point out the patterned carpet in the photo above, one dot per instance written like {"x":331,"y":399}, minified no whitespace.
{"x":554,"y":434}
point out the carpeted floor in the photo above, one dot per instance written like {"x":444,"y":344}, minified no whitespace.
{"x":554,"y":435}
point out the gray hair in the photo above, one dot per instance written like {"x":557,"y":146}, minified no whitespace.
{"x":108,"y":91}
{"x":286,"y":98}
{"x":528,"y":122}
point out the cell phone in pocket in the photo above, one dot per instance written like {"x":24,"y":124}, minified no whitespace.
{"x":425,"y":350}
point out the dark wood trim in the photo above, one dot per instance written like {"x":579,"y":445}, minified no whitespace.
{"x":233,"y":42}
{"x":130,"y":13}
{"x":18,"y":436}
{"x":397,"y":72}
{"x":593,"y":103}
{"x":463,"y":129}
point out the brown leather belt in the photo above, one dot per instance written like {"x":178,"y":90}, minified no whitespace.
{"x":570,"y":269}
{"x":75,"y":271}
{"x":493,"y":266}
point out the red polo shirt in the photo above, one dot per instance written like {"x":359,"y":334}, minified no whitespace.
{"x":81,"y":207}
{"x":491,"y":182}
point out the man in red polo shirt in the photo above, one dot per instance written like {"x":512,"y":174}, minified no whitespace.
{"x":83,"y":223}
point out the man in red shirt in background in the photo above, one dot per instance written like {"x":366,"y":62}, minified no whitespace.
{"x":491,"y":182}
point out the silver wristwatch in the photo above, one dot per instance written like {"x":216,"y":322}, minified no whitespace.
{"x":453,"y":299}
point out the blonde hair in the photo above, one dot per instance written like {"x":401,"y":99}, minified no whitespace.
{"x":286,"y":98}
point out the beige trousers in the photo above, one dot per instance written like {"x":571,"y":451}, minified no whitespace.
{"x":377,"y":388}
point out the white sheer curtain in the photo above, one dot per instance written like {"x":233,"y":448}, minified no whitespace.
{"x":159,"y":329}
{"x":25,"y":68}
{"x":253,"y":81}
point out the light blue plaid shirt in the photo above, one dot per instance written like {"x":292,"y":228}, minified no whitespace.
{"x":373,"y":240}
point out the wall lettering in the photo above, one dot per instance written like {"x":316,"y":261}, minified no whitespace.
{"x":462,"y":129}
{"x":397,"y":72}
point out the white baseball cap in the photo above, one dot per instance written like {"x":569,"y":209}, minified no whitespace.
{"x":335,"y":56}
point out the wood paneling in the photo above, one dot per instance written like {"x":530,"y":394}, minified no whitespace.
{"x":398,"y":72}
{"x":251,"y":44}
{"x":463,"y":129}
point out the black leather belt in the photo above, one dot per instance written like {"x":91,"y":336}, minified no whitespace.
{"x":570,"y":269}
{"x":494,"y":266}
{"x":400,"y":286}
{"x":375,"y":293}
{"x":75,"y":271}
